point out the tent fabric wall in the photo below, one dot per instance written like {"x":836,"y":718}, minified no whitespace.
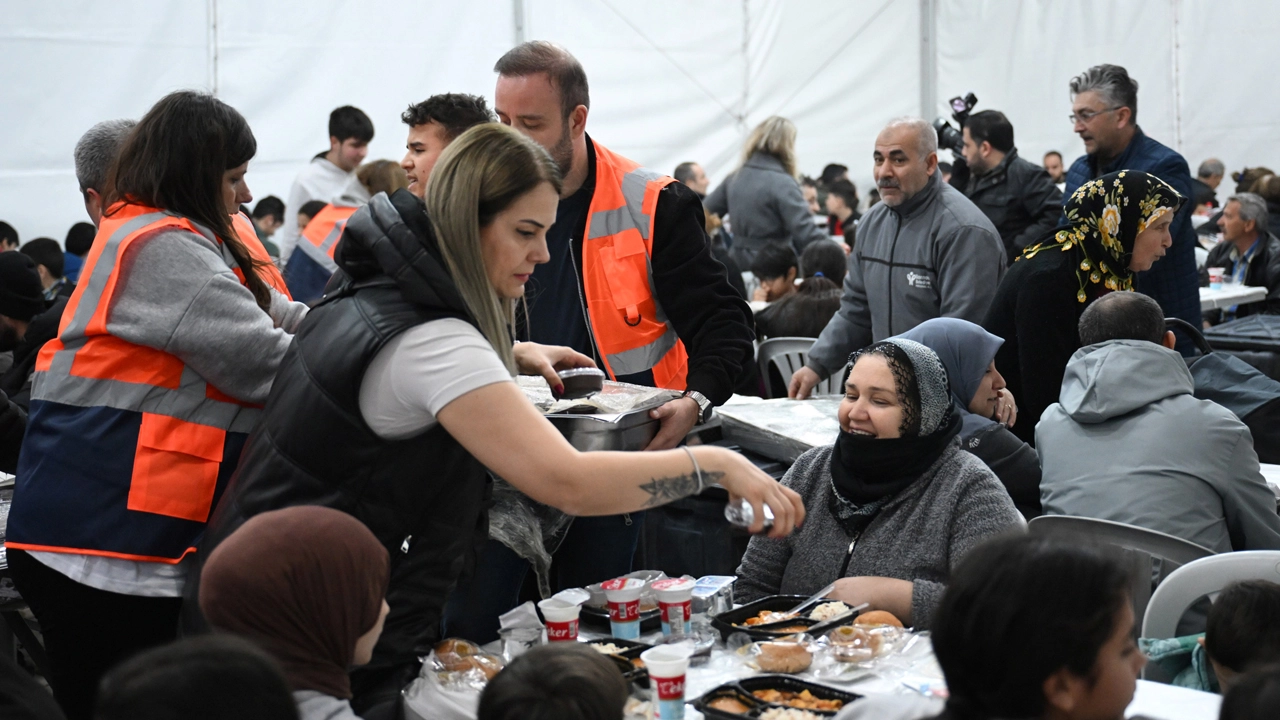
{"x":671,"y":80}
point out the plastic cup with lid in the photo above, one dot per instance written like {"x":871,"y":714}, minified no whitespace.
{"x":623,"y":595}
{"x":675,"y":603}
{"x":667,"y":665}
{"x":1215,"y":278}
{"x":562,"y":619}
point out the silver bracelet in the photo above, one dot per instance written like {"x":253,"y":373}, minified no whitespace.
{"x":696,"y":468}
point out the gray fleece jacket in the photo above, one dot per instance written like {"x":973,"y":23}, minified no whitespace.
{"x":177,"y":293}
{"x":920,"y":535}
{"x":1128,"y":442}
{"x":935,"y":255}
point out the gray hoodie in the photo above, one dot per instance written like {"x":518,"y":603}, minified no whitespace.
{"x":935,"y":255}
{"x":1128,"y":442}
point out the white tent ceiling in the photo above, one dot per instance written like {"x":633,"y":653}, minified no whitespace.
{"x":671,"y":80}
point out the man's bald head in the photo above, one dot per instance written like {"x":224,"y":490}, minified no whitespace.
{"x":1122,"y":316}
{"x":926,"y":137}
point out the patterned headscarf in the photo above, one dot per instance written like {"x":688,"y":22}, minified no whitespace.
{"x":1105,"y":217}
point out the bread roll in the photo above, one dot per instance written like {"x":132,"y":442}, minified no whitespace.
{"x":877,"y":617}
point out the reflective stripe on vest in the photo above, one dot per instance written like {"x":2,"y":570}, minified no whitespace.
{"x":267,"y":269}
{"x":322,"y":235}
{"x":87,"y":366}
{"x":628,"y":323}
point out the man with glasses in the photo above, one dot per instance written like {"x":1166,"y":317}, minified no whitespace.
{"x":1104,"y":112}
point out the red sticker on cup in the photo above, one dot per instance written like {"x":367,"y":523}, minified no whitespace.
{"x":562,"y":631}
{"x":625,"y":612}
{"x":669,"y":688}
{"x":676,"y":612}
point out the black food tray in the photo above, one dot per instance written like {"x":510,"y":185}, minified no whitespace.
{"x":727,"y":623}
{"x":630,"y":673}
{"x":743,"y":688}
{"x":650,"y":620}
{"x":631,"y":651}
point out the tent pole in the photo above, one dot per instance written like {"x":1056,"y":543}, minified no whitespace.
{"x":1177,"y":81}
{"x":517,"y":7}
{"x":211,"y":13}
{"x":928,"y":58}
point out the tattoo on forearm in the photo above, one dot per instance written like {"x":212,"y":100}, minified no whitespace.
{"x":664,"y":490}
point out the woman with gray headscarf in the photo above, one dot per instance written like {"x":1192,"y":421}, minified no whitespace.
{"x":894,"y":504}
{"x":969,"y":354}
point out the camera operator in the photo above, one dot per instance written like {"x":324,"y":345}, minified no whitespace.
{"x":1017,"y":195}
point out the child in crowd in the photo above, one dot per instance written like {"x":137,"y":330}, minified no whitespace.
{"x":776,"y":269}
{"x":308,"y":211}
{"x":561,"y":681}
{"x":806,"y":309}
{"x":1255,"y":696}
{"x":1029,"y":627}
{"x":1243,"y":632}
{"x":203,"y":678}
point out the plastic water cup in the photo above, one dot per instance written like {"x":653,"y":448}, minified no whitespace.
{"x":623,"y":595}
{"x":675,"y":603}
{"x":1215,"y":278}
{"x":562,"y":619}
{"x":667,"y":665}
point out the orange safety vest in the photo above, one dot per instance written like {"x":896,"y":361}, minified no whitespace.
{"x":628,"y":323}
{"x":86,"y":485}
{"x":267,"y":269}
{"x":322,"y":235}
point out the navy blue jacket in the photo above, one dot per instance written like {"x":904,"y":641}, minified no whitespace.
{"x":1173,"y":280}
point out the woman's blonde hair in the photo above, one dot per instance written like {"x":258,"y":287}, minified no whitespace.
{"x":775,"y":136}
{"x":478,"y":176}
{"x":382,"y":176}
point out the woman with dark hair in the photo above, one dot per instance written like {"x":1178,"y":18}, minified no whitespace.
{"x":1030,"y":627}
{"x":307,"y":585}
{"x":140,"y":406}
{"x":968,"y":352}
{"x":894,"y":472}
{"x":1118,"y":225}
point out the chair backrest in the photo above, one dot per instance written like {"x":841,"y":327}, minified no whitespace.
{"x":1205,"y":576}
{"x":1139,"y":547}
{"x":788,"y":354}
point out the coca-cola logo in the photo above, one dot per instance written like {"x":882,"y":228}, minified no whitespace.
{"x":562,"y":631}
{"x":624,"y":612}
{"x":670,"y":688}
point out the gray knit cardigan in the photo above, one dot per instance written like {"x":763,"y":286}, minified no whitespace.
{"x":920,"y":535}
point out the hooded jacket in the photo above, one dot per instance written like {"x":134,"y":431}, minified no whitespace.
{"x":935,"y":255}
{"x":1128,"y":442}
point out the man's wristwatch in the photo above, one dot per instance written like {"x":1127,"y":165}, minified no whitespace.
{"x":705,"y":408}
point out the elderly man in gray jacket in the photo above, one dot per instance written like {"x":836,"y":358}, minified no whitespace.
{"x":924,"y":252}
{"x":1128,"y":441}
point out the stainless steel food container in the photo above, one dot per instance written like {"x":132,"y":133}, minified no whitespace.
{"x":631,"y":430}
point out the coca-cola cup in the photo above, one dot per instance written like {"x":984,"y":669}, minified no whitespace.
{"x":623,"y":595}
{"x":675,"y":603}
{"x":562,"y":619}
{"x":667,"y":665}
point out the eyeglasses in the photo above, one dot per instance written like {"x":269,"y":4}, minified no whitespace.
{"x":1085,"y":116}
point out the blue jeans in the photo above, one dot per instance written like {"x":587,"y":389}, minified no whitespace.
{"x":594,"y":549}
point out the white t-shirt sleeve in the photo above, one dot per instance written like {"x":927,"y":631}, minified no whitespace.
{"x":422,"y":370}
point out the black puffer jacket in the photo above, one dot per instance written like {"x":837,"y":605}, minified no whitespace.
{"x":1019,"y":198}
{"x":424,"y":497}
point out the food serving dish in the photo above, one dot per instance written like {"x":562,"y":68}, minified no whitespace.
{"x":744,"y":691}
{"x":627,"y":658}
{"x":632,"y":669}
{"x":734,"y":621}
{"x":650,"y":620}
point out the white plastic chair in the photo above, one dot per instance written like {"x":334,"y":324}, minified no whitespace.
{"x":1206,"y":576}
{"x":1139,"y":547}
{"x":788,"y":355}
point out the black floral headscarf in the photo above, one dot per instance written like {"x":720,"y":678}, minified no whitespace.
{"x":1105,"y":217}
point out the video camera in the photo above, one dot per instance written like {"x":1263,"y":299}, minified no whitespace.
{"x":949,"y":137}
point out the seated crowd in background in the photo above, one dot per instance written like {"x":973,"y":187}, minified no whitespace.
{"x":1069,"y":398}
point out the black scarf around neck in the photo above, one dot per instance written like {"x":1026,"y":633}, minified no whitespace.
{"x":865,"y":469}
